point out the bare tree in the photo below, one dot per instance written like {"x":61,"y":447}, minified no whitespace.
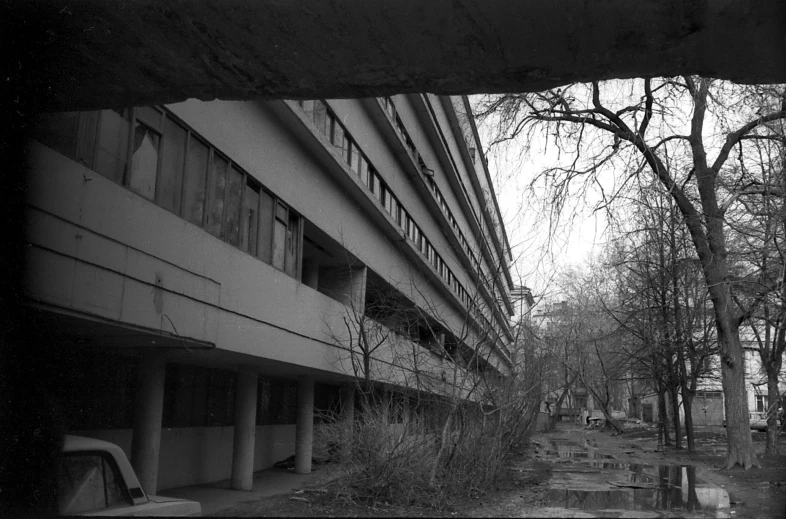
{"x":758,"y":229}
{"x":668,"y":127}
{"x":466,"y":409}
{"x":659,"y":283}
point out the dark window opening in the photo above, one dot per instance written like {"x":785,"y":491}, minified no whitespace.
{"x":198,"y":397}
{"x":276,"y":402}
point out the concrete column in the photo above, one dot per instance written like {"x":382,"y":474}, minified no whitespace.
{"x":245,"y":430}
{"x":347,"y":419}
{"x":304,"y":432}
{"x":149,"y":405}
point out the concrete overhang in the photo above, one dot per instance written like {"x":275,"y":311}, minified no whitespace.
{"x":89,"y":54}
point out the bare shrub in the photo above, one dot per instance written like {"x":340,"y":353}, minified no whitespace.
{"x":405,"y":464}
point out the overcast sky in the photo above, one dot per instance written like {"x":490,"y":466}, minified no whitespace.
{"x":538,"y":251}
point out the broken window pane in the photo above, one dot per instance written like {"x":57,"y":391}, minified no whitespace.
{"x":170,"y":180}
{"x":293,"y":242}
{"x":215,"y":193}
{"x":279,"y":236}
{"x":195,"y":177}
{"x":250,"y":219}
{"x":232,"y":210}
{"x":112,"y":152}
{"x":144,"y":161}
{"x":265,"y":226}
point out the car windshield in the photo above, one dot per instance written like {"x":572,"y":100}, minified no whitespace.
{"x":88,"y":482}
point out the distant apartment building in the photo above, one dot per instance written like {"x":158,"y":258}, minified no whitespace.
{"x":708,"y":402}
{"x":200,"y":268}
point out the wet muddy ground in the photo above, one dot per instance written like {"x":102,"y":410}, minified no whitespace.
{"x":577,"y":472}
{"x":580,"y":472}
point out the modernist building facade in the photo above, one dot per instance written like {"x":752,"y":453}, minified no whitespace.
{"x":200,"y":270}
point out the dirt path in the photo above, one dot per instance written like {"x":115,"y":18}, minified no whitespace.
{"x":529,"y":492}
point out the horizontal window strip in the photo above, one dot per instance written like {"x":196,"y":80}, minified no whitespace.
{"x":155,"y":154}
{"x":336,"y":133}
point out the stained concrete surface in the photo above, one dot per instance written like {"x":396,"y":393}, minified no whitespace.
{"x":215,"y":497}
{"x":82,"y":54}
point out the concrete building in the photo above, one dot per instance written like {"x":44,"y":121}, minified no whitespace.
{"x":708,"y":404}
{"x":199,"y":271}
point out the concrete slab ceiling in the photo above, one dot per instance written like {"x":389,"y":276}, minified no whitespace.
{"x":87,"y":54}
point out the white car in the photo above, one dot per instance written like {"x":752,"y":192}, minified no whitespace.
{"x":95,"y":478}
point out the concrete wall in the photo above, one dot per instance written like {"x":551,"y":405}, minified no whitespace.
{"x":141,"y":269}
{"x":251,"y":135}
{"x":194,"y":455}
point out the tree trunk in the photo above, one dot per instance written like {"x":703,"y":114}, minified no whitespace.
{"x":553,"y":419}
{"x":773,"y":397}
{"x":687,"y":406}
{"x":664,"y":418}
{"x":675,"y":409}
{"x":609,"y":420}
{"x":736,"y":397}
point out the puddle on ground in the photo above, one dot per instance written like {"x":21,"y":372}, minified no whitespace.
{"x":570,"y":453}
{"x":572,"y":449}
{"x":669,"y":488}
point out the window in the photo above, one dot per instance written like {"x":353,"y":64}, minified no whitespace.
{"x":170,"y":178}
{"x":396,"y":410}
{"x":216,"y":187}
{"x":412,"y":229}
{"x":292,"y":245}
{"x":232,"y":204}
{"x":265,"y":227}
{"x":276,"y":402}
{"x":330,"y":127}
{"x":387,"y":200}
{"x":149,"y":151}
{"x":221,"y":398}
{"x":89,"y":482}
{"x":377,"y":187}
{"x":390,"y":107}
{"x":394,"y":209}
{"x":364,"y":170}
{"x":339,"y":141}
{"x":90,"y":372}
{"x":195,"y":180}
{"x":761,"y":403}
{"x":308,"y":108}
{"x":279,"y":235}
{"x":198,"y":397}
{"x":59,"y":132}
{"x":354,"y":157}
{"x":111,"y":155}
{"x":327,"y":403}
{"x":249,"y":219}
{"x":372,"y":179}
{"x":144,"y":159}
{"x":320,"y":117}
